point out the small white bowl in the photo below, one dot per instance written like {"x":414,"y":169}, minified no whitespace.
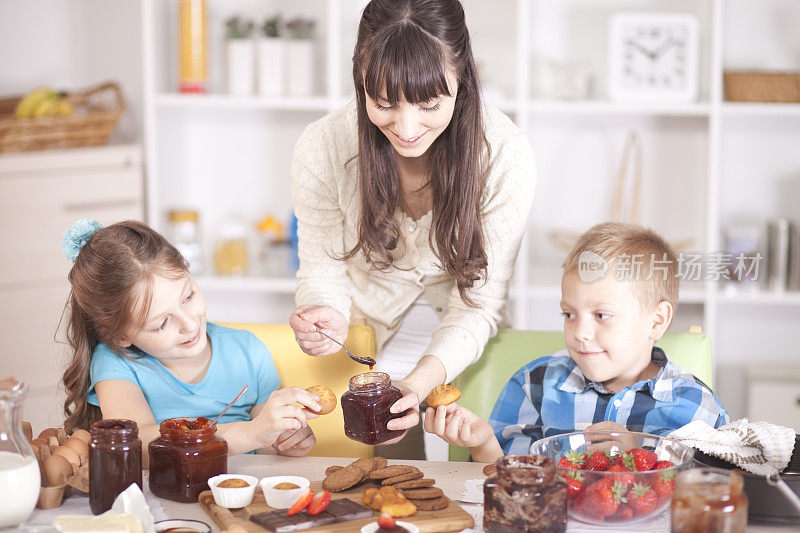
{"x":233,"y":497}
{"x":282,"y":498}
{"x":372,"y":527}
{"x":188,"y":525}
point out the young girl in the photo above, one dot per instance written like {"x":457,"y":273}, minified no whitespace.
{"x":144,"y":351}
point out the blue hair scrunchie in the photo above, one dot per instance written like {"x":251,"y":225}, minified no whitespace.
{"x":77,"y":236}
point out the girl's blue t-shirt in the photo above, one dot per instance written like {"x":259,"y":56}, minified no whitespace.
{"x":237,"y":357}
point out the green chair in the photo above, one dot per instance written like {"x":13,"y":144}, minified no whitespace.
{"x":480,"y":384}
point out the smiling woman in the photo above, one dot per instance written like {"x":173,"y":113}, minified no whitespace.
{"x":411,"y":204}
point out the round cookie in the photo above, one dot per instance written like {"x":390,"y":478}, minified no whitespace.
{"x":392,"y":471}
{"x":368,"y":464}
{"x":401,"y":478}
{"x":443,"y":395}
{"x":489,"y":469}
{"x":415,"y":483}
{"x":343,"y":479}
{"x":331,"y":469}
{"x":427,"y":493}
{"x":327,"y":399}
{"x":435,"y":504}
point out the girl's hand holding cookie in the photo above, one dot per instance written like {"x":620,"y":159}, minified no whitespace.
{"x":457,"y":425}
{"x":307,"y":318}
{"x":295,"y":443}
{"x":281,"y":413}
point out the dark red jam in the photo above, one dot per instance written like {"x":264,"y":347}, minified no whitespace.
{"x":366,"y":408}
{"x":525,"y":495}
{"x":115,"y":461}
{"x":184,"y":457}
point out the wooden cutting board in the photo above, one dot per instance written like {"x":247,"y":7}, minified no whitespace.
{"x":451,"y":518}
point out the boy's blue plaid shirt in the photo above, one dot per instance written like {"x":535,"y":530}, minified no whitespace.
{"x":550,"y":395}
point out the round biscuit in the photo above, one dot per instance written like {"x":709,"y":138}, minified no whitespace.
{"x":443,"y":395}
{"x":327,"y":399}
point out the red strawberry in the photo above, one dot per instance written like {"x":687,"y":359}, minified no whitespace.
{"x":623,"y":514}
{"x":643,"y":459}
{"x":603,"y":498}
{"x":619,"y":459}
{"x":625,"y":479}
{"x":642,"y":499}
{"x":660,"y":465}
{"x":571,"y":459}
{"x":664,"y":485}
{"x":386,"y":521}
{"x":598,"y":461}
{"x":319,"y":502}
{"x":301,"y":502}
{"x":574,"y":484}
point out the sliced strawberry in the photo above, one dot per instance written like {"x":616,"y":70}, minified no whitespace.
{"x":386,"y":521}
{"x":319,"y":502}
{"x":301,"y":502}
{"x":598,"y":461}
{"x":643,"y":459}
{"x":625,"y":479}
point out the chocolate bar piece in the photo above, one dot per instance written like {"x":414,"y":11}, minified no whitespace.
{"x":341,"y":510}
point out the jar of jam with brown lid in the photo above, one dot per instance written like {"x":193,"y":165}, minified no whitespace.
{"x":366,"y":408}
{"x":184,"y":457}
{"x":525,"y":494}
{"x":115,"y":461}
{"x":709,"y":500}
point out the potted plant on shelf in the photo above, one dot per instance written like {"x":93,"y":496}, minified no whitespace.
{"x":271,"y":58}
{"x":241,"y":56}
{"x":300,"y":56}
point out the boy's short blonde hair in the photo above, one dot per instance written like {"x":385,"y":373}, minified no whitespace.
{"x":648,"y":261}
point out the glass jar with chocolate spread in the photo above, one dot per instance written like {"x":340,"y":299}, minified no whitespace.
{"x":115,"y":461}
{"x":525,"y":494}
{"x":184,"y":457}
{"x":366,"y":408}
{"x":709,"y":500}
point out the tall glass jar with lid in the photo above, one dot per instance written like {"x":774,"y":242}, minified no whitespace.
{"x":184,"y":234}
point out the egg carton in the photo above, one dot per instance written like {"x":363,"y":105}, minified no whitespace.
{"x":63,"y":466}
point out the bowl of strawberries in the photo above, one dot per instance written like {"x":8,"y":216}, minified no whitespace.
{"x":615,"y":477}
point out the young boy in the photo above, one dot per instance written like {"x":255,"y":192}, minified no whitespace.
{"x":619,"y":292}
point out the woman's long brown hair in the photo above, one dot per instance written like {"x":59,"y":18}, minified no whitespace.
{"x":111,"y":275}
{"x":406,"y":48}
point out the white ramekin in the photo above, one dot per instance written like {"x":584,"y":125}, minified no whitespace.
{"x":233,"y":497}
{"x":373,"y":527}
{"x":282,"y":498}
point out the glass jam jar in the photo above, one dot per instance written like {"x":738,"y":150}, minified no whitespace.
{"x":115,"y":461}
{"x":366,"y":408}
{"x":709,"y":500}
{"x":187,"y":453}
{"x":525,"y":494}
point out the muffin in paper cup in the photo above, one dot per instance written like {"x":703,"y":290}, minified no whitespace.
{"x":283,"y":498}
{"x":233,"y":497}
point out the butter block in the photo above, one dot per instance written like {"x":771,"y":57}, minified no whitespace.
{"x":112,"y":523}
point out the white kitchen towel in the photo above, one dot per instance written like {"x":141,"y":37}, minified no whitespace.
{"x":756,"y":446}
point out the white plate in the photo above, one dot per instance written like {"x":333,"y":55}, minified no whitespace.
{"x":372,"y":527}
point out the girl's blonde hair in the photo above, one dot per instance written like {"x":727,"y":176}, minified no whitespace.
{"x":653,"y":269}
{"x":112,"y":276}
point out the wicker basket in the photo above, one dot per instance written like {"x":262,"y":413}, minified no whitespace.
{"x":762,"y":86}
{"x":97,"y":112}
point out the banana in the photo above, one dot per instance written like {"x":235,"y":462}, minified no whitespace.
{"x":28,"y":104}
{"x":64,"y":107}
{"x":48,"y":106}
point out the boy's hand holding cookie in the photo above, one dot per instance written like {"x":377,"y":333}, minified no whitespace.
{"x":458,"y":426}
{"x":281,"y":413}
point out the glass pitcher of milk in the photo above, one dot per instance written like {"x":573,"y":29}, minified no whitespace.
{"x":19,"y":470}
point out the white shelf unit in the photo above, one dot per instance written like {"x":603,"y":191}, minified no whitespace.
{"x":222,"y":153}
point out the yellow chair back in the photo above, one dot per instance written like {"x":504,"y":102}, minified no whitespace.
{"x":334,"y":371}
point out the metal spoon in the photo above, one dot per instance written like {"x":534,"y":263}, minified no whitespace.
{"x":369,"y":361}
{"x":229,"y":405}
